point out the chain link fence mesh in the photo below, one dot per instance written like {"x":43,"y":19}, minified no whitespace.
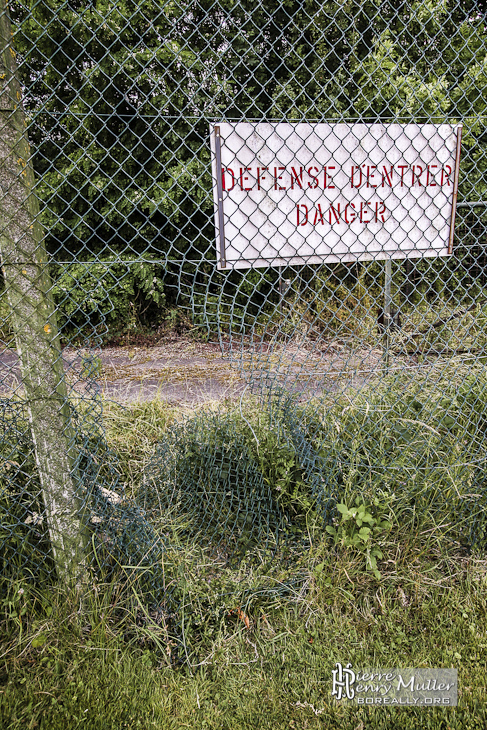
{"x":365,"y":395}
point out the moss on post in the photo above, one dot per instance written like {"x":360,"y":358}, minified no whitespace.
{"x":27,"y":284}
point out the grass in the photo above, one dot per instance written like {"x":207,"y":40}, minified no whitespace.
{"x":264,"y":664}
{"x":252,"y":644}
{"x":133,"y":432}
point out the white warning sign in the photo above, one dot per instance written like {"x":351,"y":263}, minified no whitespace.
{"x":314,"y":193}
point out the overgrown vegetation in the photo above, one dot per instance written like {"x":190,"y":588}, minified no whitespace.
{"x":117,"y":299}
{"x":413,"y":444}
{"x":250,"y":643}
{"x":112,"y":295}
{"x":259,"y":643}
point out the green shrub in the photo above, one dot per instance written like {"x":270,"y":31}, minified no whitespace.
{"x":110,"y":294}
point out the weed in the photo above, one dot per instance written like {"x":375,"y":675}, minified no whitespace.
{"x":362,"y":527}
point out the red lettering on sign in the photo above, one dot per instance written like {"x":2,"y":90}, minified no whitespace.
{"x":446,"y":174}
{"x":244,"y":177}
{"x":336,"y":213}
{"x":380,"y":209}
{"x":277,"y":178}
{"x":229,"y":171}
{"x":315,"y":177}
{"x":402,"y":168}
{"x":295,"y":176}
{"x":429,"y":175}
{"x":386,"y":176}
{"x":320,"y":212}
{"x":363,"y":211}
{"x":325,"y":176}
{"x":370,"y":175}
{"x":353,"y":214}
{"x":305,"y":214}
{"x":418,"y":174}
{"x":359,"y":170}
{"x":260,"y":176}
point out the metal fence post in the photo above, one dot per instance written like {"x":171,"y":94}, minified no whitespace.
{"x":387,"y":312}
{"x":27,"y":284}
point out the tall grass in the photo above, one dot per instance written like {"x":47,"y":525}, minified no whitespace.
{"x":251,"y":643}
{"x":415,"y":444}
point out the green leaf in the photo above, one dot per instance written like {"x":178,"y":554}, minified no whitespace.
{"x":39,"y":641}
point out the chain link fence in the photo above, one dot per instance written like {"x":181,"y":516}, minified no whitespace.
{"x":364,"y":337}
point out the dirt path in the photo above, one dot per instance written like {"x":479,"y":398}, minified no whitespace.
{"x":187,"y":372}
{"x":180,"y":371}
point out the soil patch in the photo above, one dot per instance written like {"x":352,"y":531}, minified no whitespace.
{"x":183,"y":371}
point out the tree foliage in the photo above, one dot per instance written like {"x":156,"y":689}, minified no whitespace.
{"x":120,"y":95}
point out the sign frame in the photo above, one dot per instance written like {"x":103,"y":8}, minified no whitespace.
{"x":226,"y":262}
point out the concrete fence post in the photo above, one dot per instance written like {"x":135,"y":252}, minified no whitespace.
{"x":28,"y":288}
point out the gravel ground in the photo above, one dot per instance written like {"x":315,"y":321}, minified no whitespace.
{"x":187,"y":372}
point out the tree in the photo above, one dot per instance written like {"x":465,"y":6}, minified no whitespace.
{"x":121,"y":94}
